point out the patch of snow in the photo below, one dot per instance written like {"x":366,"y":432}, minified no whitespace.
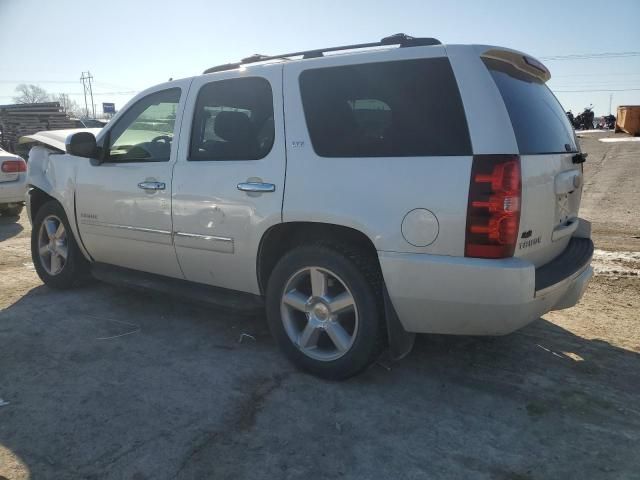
{"x":598,"y":130}
{"x":619,"y":139}
{"x":616,"y":264}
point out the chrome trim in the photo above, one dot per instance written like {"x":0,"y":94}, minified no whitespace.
{"x":256,"y":187}
{"x":152,"y":185}
{"x":203,"y":237}
{"x":125,"y":227}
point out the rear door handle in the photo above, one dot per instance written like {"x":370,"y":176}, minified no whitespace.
{"x":152,"y":185}
{"x":256,"y":187}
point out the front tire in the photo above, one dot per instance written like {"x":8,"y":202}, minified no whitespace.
{"x":55,"y":254}
{"x":324,"y":309}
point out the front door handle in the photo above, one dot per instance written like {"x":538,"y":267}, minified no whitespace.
{"x":152,"y":185}
{"x":256,"y":187}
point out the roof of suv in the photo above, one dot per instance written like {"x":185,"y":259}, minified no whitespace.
{"x":400,"y":39}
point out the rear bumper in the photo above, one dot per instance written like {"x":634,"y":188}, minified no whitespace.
{"x":12,"y":192}
{"x":466,"y":296}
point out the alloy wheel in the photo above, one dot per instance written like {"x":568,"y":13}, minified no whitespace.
{"x":52,"y":245}
{"x":319,"y":313}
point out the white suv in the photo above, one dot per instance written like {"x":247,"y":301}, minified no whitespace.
{"x":402,"y":187}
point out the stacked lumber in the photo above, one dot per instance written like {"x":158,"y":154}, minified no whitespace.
{"x":28,"y":118}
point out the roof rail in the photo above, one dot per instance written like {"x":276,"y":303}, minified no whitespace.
{"x":398,"y":39}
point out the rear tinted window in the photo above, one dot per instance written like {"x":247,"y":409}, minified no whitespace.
{"x":539,"y":121}
{"x":389,"y":109}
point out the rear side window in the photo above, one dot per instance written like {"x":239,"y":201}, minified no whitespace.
{"x":389,"y":109}
{"x":233,"y":120}
{"x":539,"y":121}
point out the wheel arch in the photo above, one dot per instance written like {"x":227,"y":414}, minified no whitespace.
{"x":37,"y":197}
{"x":280,"y":238}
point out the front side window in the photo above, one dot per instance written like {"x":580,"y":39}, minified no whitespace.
{"x":145,"y":131}
{"x":233,"y":120}
{"x":389,"y":109}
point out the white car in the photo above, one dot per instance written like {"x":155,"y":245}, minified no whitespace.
{"x":13,"y":178}
{"x":402,"y":187}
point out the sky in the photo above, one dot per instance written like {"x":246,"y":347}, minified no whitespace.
{"x":130,"y":45}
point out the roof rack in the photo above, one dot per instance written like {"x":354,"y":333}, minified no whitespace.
{"x":398,"y":39}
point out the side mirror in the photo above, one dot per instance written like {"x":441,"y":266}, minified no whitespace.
{"x":82,"y":144}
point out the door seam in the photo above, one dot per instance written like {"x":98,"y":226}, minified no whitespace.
{"x":173,"y":167}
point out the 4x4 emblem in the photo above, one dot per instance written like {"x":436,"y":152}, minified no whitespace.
{"x":526,"y":234}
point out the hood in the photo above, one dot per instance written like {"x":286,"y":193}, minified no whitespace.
{"x":55,"y":138}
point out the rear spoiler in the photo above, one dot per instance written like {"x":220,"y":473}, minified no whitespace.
{"x":519,"y":60}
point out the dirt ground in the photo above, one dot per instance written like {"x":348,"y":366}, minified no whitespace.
{"x":107,"y":383}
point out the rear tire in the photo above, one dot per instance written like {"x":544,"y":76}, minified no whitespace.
{"x":11,"y":211}
{"x":325,"y":310}
{"x":55,"y":254}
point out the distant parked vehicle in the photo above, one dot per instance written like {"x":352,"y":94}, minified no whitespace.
{"x":572,"y":119}
{"x":607,"y":122}
{"x":584,"y":121}
{"x":89,"y":123}
{"x":13,"y":176}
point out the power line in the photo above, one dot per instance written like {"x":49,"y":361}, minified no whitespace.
{"x":589,"y":56}
{"x":565,"y":84}
{"x":113,"y":85}
{"x":598,"y":90}
{"x":131,"y":92}
{"x":39,"y":81}
{"x":600,"y":74}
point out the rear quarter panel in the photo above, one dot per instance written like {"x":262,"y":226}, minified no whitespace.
{"x":373,"y":194}
{"x":489,"y":123}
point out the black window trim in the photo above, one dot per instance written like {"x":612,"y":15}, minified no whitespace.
{"x":107,"y":135}
{"x":196,"y":112}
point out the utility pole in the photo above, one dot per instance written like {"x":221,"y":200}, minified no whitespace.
{"x":93,"y":105}
{"x":610,"y":100}
{"x":84,"y":87}
{"x":86,"y":78}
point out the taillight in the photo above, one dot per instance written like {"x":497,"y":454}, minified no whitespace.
{"x":13,"y":166}
{"x":493,"y":212}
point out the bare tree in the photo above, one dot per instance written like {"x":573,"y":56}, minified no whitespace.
{"x":30,"y":94}
{"x":69,"y":106}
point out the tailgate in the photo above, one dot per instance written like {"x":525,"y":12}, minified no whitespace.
{"x":551,"y":193}
{"x":551,"y":181}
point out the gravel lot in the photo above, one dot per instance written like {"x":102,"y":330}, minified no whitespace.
{"x":107,"y":383}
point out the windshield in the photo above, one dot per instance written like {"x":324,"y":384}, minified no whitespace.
{"x":539,"y":122}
